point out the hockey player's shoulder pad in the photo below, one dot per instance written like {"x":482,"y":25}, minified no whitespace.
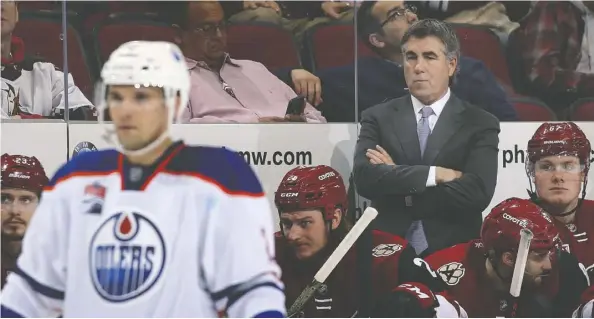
{"x":94,"y":163}
{"x":220,"y":166}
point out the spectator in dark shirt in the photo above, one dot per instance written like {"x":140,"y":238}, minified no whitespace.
{"x":381,"y":25}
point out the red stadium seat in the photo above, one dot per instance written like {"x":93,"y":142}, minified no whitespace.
{"x":42,"y":34}
{"x":333,"y":45}
{"x":265,"y":43}
{"x":529,"y":109}
{"x":32,"y":6}
{"x":483,"y":44}
{"x":582,"y":110}
{"x":122,"y":28}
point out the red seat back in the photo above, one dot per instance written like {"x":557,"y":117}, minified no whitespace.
{"x":582,"y":110}
{"x":43,"y":37}
{"x":333,"y":45}
{"x":265,"y":43}
{"x":110,"y":35}
{"x":483,"y":44}
{"x":529,"y":109}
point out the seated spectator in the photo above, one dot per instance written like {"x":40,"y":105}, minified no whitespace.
{"x":226,"y":90}
{"x":381,"y":25}
{"x":293,"y":16}
{"x":489,"y":14}
{"x":556,"y":44}
{"x":32,"y":88}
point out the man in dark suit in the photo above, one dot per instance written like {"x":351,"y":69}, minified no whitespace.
{"x":381,"y":78}
{"x":428,"y":160}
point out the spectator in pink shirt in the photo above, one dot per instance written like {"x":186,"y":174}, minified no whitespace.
{"x":226,"y":90}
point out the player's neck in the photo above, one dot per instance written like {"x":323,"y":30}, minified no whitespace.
{"x":494,"y":278}
{"x":11,"y":249}
{"x":6,"y":47}
{"x":555,"y":211}
{"x":152,"y":156}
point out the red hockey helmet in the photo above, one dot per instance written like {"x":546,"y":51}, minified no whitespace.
{"x":24,"y":172}
{"x":501,"y":228}
{"x":317,"y":187}
{"x":559,"y":139}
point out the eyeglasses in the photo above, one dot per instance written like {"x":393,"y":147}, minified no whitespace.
{"x":211,"y":28}
{"x":399,"y":12}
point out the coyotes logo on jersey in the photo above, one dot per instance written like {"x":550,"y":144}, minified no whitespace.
{"x":451,"y":273}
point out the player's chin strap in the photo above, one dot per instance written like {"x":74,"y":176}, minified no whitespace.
{"x":538,"y":201}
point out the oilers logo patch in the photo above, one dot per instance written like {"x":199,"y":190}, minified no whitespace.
{"x":126,"y":256}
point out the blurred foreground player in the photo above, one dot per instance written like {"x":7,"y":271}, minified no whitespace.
{"x":23,"y":179}
{"x":480,"y":272}
{"x":312,"y":203}
{"x":558,"y":164}
{"x":154,"y":229}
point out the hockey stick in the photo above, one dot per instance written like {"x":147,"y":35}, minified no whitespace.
{"x":519,"y":269}
{"x":322,"y":274}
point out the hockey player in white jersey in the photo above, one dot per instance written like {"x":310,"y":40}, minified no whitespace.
{"x":154,"y":228}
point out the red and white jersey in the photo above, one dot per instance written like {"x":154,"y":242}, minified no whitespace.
{"x":578,"y":237}
{"x":32,"y":86}
{"x":394,"y":262}
{"x":463,"y":267}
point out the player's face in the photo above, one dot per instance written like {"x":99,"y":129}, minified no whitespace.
{"x":538,"y":265}
{"x":305,"y":231}
{"x":18,"y":205}
{"x":139,"y":114}
{"x":558,"y":179}
{"x":9,"y":17}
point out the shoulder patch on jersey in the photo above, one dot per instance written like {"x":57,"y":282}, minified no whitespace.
{"x":87,"y":163}
{"x":451,"y":273}
{"x":384,"y":250}
{"x":219,"y":166}
{"x":127,"y":255}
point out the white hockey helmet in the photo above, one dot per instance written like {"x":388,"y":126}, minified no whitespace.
{"x":148,"y":64}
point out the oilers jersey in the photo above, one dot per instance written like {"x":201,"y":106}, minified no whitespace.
{"x":191,"y":236}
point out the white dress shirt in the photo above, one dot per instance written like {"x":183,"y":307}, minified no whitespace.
{"x":437,"y":107}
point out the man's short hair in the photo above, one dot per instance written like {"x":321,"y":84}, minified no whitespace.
{"x":436,"y":28}
{"x":367,"y":23}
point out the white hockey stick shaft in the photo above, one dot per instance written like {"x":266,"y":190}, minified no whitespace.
{"x":520,"y":266}
{"x":346,"y":244}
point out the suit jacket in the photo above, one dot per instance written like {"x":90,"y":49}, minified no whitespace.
{"x":465,"y":138}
